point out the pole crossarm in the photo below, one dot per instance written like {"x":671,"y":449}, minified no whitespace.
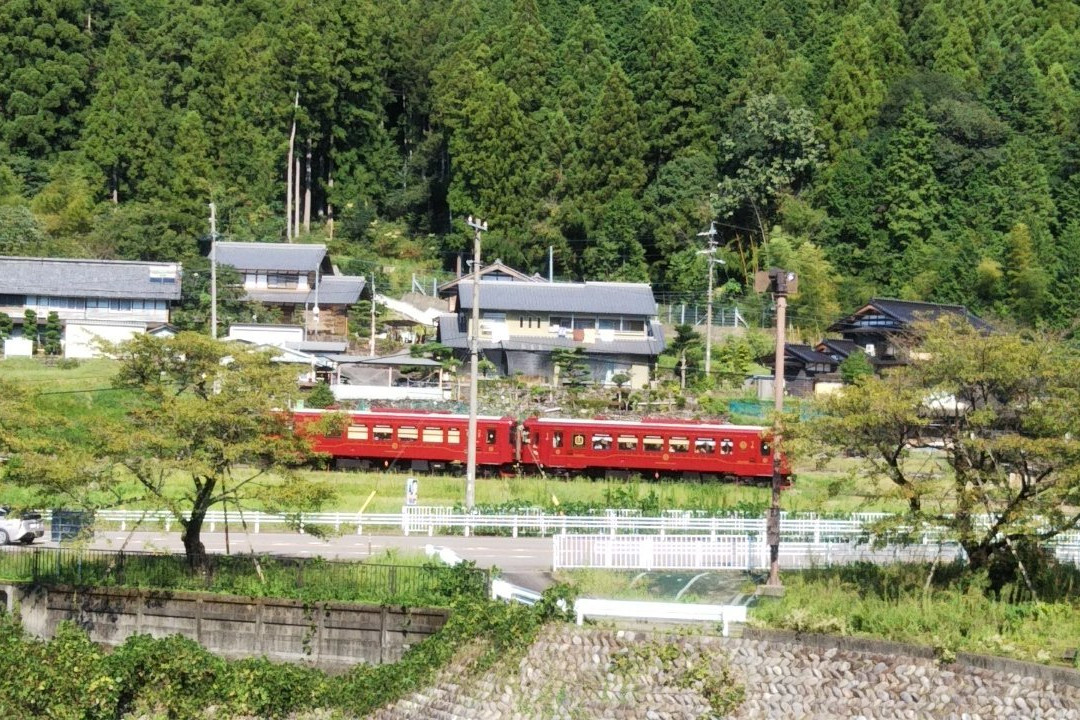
{"x":710,"y":260}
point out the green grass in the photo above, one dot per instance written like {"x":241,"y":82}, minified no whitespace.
{"x":956,"y":613}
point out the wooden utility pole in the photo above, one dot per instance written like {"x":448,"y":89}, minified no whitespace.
{"x":289,"y":172}
{"x":478,"y":226}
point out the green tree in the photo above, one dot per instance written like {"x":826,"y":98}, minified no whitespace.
{"x":956,"y":57}
{"x":911,"y":189}
{"x":21,"y":233}
{"x":30,"y":329}
{"x":211,"y":417}
{"x":855,"y":366}
{"x":584,"y":61}
{"x":1027,"y":281}
{"x":688,"y":348}
{"x":6,"y":326}
{"x":1001,"y":409}
{"x":615,"y":252}
{"x":853,"y":91}
{"x":321,"y":396}
{"x":52,"y":334}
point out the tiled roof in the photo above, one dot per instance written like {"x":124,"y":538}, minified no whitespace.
{"x":89,"y":278}
{"x":905,"y":313}
{"x":803,"y":353}
{"x":601,"y":298}
{"x":499,"y":269}
{"x":283,"y":257}
{"x":839,"y":349}
{"x":453,"y":335}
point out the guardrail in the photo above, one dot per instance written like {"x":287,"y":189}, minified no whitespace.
{"x":644,"y":610}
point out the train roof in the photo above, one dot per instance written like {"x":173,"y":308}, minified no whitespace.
{"x":649,"y":423}
{"x":402,"y":414}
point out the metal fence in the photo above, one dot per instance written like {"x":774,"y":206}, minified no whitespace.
{"x":279,"y":576}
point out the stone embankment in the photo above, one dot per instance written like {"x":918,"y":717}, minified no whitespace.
{"x":577,"y":673}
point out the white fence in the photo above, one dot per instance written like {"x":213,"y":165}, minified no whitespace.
{"x":651,"y":552}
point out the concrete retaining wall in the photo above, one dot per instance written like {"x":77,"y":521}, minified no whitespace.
{"x":331,"y":636}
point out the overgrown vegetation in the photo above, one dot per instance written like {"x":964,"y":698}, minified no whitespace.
{"x":70,"y":678}
{"x":947,"y":607}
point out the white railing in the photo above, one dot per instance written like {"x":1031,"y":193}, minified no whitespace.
{"x":651,"y":552}
{"x":643,"y":610}
{"x":815,"y":537}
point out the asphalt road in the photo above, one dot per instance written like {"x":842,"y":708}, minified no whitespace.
{"x":524,"y":561}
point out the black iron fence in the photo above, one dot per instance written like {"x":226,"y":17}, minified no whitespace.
{"x":260,"y":576}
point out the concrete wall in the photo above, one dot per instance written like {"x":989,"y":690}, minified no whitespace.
{"x":330,"y":636}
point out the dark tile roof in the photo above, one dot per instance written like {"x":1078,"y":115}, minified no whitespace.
{"x":838,"y":349}
{"x":802,"y":353}
{"x":904,"y":313}
{"x":283,"y":257}
{"x":600,"y":298}
{"x":497,"y":269}
{"x":452,"y":334}
{"x":89,"y":278}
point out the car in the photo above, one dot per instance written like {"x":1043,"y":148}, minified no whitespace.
{"x":22,"y":527}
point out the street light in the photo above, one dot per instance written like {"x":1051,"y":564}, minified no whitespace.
{"x":710,"y":251}
{"x":478,"y":226}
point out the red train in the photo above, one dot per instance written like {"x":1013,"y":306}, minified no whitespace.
{"x":434,"y":441}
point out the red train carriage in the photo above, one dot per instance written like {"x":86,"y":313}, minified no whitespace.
{"x":660,"y":448}
{"x":411,"y":440}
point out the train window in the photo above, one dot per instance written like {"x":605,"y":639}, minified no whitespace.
{"x":408,"y":433}
{"x":628,"y":442}
{"x":726,"y":446}
{"x":556,"y":438}
{"x":453,"y":436}
{"x":357,"y":432}
{"x":652,"y":443}
{"x":489,"y":436}
{"x":382,"y":432}
{"x":601,"y":442}
{"x":579,"y":440}
{"x":679,"y":444}
{"x":765,"y":448}
{"x":705,"y":446}
{"x":432,"y":435}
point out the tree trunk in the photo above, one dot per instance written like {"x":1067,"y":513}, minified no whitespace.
{"x":193,"y":545}
{"x":289,"y":172}
{"x":307,"y":189}
{"x":682,"y":371}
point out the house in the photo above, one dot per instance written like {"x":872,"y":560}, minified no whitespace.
{"x":522,"y":323}
{"x":497,"y":271}
{"x":300,"y":281}
{"x":109,"y":300}
{"x":806,"y":370}
{"x":878,"y":326}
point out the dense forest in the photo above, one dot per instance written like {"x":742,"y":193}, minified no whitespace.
{"x":924,"y":149}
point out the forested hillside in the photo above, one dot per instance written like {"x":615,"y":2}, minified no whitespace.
{"x":912,"y":148}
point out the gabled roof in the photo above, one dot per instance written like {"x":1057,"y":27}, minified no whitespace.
{"x":89,"y":278}
{"x":452,"y":334}
{"x":271,"y":256}
{"x":496,"y":271}
{"x":801,"y":353}
{"x":838,"y":349}
{"x":603,"y":298}
{"x":900,"y":314}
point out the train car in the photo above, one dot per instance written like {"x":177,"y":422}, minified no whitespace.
{"x":651,"y":448}
{"x":409,"y":440}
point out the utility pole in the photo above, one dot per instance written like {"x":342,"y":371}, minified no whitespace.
{"x":371,"y":346}
{"x":478,"y":227}
{"x":780,"y":283}
{"x":213,"y":272}
{"x":709,"y":254}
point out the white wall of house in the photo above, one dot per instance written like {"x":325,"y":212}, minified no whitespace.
{"x":81,"y":337}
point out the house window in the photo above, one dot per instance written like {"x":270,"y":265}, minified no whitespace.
{"x":282,"y":280}
{"x":584,"y":323}
{"x":556,"y":323}
{"x":529,"y":321}
{"x":627,"y":442}
{"x":652,"y":443}
{"x":8,"y":300}
{"x":357,"y":432}
{"x":634,"y":326}
{"x":608,"y":324}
